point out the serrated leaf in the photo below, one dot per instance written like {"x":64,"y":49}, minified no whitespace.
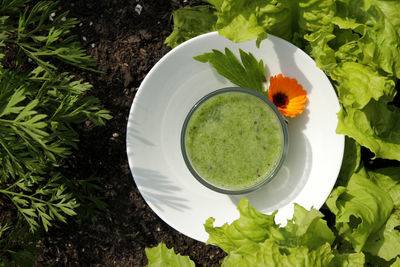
{"x":23,"y":185}
{"x":30,"y":212}
{"x":386,"y":242}
{"x":375,"y":126}
{"x":270,"y":253}
{"x":190,"y":22}
{"x":162,"y":256}
{"x":361,"y":209}
{"x":28,"y":110}
{"x":15,"y":99}
{"x":54,"y":35}
{"x":54,"y":213}
{"x":23,"y":202}
{"x":45,"y":220}
{"x":247,"y":74}
{"x":68,"y":211}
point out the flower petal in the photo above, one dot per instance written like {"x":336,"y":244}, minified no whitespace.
{"x":289,"y":87}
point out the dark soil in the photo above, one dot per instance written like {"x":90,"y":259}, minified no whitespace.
{"x":126,"y":45}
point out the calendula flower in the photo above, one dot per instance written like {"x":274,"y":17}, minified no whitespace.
{"x":287,"y":95}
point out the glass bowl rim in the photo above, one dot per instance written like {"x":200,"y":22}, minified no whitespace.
{"x":246,"y":189}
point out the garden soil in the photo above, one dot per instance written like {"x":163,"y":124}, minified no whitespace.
{"x":126,"y":44}
{"x":126,"y":41}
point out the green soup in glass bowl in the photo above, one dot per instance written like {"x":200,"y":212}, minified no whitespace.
{"x":234,"y":140}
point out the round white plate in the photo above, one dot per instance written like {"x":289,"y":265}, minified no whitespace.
{"x":170,"y":90}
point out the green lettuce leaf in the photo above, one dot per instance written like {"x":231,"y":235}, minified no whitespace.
{"x":375,"y":126}
{"x":162,"y":256}
{"x":320,"y":49}
{"x":388,"y":179}
{"x":255,"y":240}
{"x":271,"y":254}
{"x":315,"y":15}
{"x":365,"y":115}
{"x":241,"y":20}
{"x":380,"y":39}
{"x":307,"y":228}
{"x":361,"y":55}
{"x":247,"y":74}
{"x":351,"y":161}
{"x":216,"y":3}
{"x":251,"y":228}
{"x":386,"y":242}
{"x":347,"y":260}
{"x":191,"y":22}
{"x":361,"y":209}
{"x":396,"y":263}
{"x":390,"y":8}
{"x":357,"y":84}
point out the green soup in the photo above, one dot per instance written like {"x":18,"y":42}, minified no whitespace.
{"x":234,"y":140}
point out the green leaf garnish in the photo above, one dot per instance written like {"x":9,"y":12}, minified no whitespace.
{"x":247,"y":74}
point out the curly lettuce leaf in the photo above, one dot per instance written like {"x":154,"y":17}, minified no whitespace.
{"x":238,"y":22}
{"x":361,"y":209}
{"x":249,"y":73}
{"x":216,"y":3}
{"x":351,"y":161}
{"x":365,"y":115}
{"x":386,"y":242}
{"x":320,"y":49}
{"x":390,"y":8}
{"x":361,"y":56}
{"x":396,"y":263}
{"x":307,"y":228}
{"x":357,"y":84}
{"x":315,"y":15}
{"x":251,"y":228}
{"x":375,"y":126}
{"x":162,"y":256}
{"x":191,"y":22}
{"x":271,"y":254}
{"x":347,"y":260}
{"x":241,"y":20}
{"x":255,"y":240}
{"x":380,"y":39}
{"x":388,"y":179}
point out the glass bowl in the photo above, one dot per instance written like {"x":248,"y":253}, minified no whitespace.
{"x":234,"y":140}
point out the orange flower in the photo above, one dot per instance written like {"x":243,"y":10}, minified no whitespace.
{"x":287,"y":95}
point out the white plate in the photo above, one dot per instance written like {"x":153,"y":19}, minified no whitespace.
{"x":170,"y":90}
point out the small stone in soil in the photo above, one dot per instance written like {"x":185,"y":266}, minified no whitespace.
{"x":138,"y":9}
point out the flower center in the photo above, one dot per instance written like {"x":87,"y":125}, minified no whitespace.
{"x":280,"y":99}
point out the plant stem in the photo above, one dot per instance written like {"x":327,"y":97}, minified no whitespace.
{"x":21,"y":195}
